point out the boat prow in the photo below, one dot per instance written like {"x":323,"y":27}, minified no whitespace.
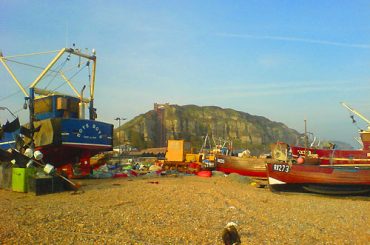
{"x":247,"y":166}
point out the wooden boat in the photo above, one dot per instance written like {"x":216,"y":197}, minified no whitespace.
{"x":248,"y":166}
{"x":330,"y":155}
{"x":327,"y":179}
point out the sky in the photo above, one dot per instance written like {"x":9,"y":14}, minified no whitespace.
{"x":288,"y":61}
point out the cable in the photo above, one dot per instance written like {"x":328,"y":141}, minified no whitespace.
{"x":11,"y":95}
{"x":57,"y":72}
{"x":75,"y":74}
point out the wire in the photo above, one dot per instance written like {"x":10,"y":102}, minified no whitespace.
{"x":33,"y":66}
{"x":25,"y":64}
{"x":57,"y":72}
{"x":11,"y":95}
{"x":89,"y":72}
{"x":75,"y":74}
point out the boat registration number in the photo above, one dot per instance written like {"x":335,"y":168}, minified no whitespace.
{"x":281,"y":168}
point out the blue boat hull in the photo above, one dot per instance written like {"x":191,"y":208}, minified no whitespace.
{"x":70,"y":141}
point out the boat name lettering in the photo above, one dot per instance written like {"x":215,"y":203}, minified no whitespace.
{"x":281,"y":168}
{"x":303,"y":152}
{"x":86,"y":126}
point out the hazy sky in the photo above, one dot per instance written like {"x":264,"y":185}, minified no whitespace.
{"x":285,"y":60}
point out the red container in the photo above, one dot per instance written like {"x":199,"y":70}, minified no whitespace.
{"x":120,"y":175}
{"x":204,"y":173}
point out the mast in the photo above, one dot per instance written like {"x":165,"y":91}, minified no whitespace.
{"x":305,"y":138}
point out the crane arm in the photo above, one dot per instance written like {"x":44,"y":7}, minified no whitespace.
{"x":356,"y":113}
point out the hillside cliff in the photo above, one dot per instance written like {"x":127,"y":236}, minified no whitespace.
{"x":192,"y":123}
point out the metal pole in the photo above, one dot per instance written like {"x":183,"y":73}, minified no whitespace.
{"x":119,"y":137}
{"x":6,"y":108}
{"x":31,"y":106}
{"x":305,"y":138}
{"x":119,"y":140}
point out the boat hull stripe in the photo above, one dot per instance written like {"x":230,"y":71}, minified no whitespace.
{"x":73,"y":143}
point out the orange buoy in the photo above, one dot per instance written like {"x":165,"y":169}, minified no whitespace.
{"x":300,"y":160}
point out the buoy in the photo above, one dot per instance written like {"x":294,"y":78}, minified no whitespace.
{"x":28,"y":153}
{"x":38,"y":155}
{"x":300,"y":160}
{"x":49,"y":169}
{"x":204,"y":173}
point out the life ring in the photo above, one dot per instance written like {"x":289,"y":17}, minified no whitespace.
{"x":204,"y":173}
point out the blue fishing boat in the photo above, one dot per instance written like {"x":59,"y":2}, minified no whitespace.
{"x":57,"y":125}
{"x":9,"y":132}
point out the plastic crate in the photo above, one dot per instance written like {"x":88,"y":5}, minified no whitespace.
{"x":20,"y":178}
{"x":45,"y":185}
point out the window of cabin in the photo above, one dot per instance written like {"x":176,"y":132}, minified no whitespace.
{"x":43,"y":105}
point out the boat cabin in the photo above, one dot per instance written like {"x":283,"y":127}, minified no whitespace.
{"x":365,"y":138}
{"x":57,"y":106}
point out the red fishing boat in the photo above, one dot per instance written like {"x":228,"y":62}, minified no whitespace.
{"x":326,"y":179}
{"x":248,"y":166}
{"x":331,"y":155}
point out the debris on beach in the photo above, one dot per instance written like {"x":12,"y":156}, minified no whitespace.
{"x":26,"y":172}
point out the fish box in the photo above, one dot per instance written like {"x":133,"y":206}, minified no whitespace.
{"x":20,"y":178}
{"x":45,"y":185}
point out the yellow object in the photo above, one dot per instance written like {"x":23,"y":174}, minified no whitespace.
{"x":43,"y":105}
{"x":193,"y":158}
{"x":62,"y":103}
{"x":211,"y":158}
{"x":176,"y":150}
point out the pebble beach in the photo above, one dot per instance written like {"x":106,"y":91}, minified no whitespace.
{"x":180,"y":210}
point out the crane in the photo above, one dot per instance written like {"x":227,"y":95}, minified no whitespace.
{"x":357,"y":114}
